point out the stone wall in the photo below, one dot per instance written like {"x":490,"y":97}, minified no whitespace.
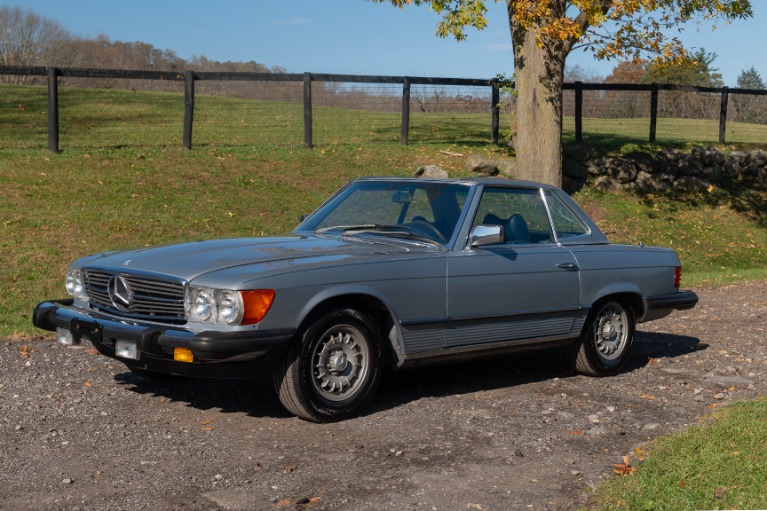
{"x":695,"y":170}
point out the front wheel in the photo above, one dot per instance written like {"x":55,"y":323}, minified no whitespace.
{"x":604,"y":347}
{"x":335,"y":370}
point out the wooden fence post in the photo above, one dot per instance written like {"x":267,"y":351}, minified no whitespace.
{"x":495,"y":110}
{"x":654,"y":111}
{"x":188,"y":108}
{"x":404,"y":130}
{"x":723,"y":114}
{"x":578,"y":112}
{"x":53,"y":110}
{"x":308,"y":142}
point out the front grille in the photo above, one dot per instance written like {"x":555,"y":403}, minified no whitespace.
{"x":150,"y":298}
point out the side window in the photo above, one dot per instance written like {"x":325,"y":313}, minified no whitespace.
{"x":566,"y":223}
{"x":519,"y":211}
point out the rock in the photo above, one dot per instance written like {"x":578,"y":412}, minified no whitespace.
{"x":739,"y":157}
{"x":574,"y":169}
{"x":596,"y":167}
{"x":508,"y":168}
{"x":579,"y":153}
{"x":430,"y":171}
{"x":481,"y":165}
{"x":758,"y":157}
{"x":751,"y":169}
{"x":571,"y":185}
{"x":607,"y":184}
{"x":645,"y":162}
{"x":713,"y":172}
{"x":691,"y":184}
{"x":731,"y":168}
{"x":649,"y":183}
{"x":622,"y":170}
{"x":692,"y":165}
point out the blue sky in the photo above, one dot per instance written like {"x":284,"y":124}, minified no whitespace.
{"x":352,"y":36}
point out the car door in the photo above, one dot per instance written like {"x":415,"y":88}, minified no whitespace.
{"x":526,"y":287}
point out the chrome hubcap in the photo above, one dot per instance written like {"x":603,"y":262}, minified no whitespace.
{"x":611,"y":332}
{"x":340,"y":363}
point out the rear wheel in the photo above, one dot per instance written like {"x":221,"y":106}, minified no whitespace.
{"x":335,"y":371}
{"x":604,"y":347}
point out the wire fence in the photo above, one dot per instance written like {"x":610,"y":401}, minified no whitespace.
{"x":82,"y":108}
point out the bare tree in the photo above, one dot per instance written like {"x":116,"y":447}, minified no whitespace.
{"x":28,"y":39}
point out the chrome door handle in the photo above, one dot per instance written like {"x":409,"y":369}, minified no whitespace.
{"x":568,"y":266}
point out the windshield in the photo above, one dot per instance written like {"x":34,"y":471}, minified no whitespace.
{"x":425,"y":210}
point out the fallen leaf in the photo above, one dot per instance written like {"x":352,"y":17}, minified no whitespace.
{"x":282,"y":503}
{"x":719,"y":493}
{"x":577,"y":432}
{"x":205,"y":423}
{"x":92,"y":351}
{"x":625,"y":468}
{"x":88,"y":384}
{"x":647,"y":396}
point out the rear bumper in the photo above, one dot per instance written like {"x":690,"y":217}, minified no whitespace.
{"x":216,"y":354}
{"x":662,"y":305}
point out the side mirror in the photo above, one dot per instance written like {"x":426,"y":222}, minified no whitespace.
{"x":486,"y":235}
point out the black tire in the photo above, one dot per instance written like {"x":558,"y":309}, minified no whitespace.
{"x":604,"y":346}
{"x":334,"y":371}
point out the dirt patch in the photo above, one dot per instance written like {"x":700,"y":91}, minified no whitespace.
{"x":520,"y":432}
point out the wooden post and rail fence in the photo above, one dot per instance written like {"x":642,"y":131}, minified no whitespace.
{"x":190,"y":77}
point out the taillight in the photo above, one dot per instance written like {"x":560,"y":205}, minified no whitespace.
{"x":678,"y":277}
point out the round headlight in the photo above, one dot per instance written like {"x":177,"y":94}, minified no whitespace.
{"x":74,"y":284}
{"x":202,"y":305}
{"x":71,"y":282}
{"x":230,"y":307}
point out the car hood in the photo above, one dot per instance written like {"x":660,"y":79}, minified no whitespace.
{"x":190,"y":260}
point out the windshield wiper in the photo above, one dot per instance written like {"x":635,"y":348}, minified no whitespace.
{"x":393,"y":230}
{"x":360,"y":227}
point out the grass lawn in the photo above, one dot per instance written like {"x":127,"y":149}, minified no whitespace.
{"x":717,"y":465}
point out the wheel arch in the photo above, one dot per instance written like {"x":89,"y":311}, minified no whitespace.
{"x":363,"y":300}
{"x":629,"y":295}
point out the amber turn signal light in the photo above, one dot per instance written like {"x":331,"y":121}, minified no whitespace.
{"x":257,"y":304}
{"x":183,"y":355}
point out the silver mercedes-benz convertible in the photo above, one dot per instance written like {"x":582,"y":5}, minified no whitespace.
{"x":388,"y":272}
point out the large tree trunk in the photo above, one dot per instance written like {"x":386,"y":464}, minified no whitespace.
{"x":538,"y":73}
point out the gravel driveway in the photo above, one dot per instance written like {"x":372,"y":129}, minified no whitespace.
{"x":522,"y":432}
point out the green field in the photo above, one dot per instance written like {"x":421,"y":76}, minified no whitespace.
{"x":717,"y":465}
{"x":122,"y":180}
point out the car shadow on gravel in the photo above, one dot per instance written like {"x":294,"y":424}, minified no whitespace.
{"x":515,"y":370}
{"x":257,"y":397}
{"x":254,"y":397}
{"x":652,"y":346}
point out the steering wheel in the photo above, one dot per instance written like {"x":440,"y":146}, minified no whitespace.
{"x":427,"y":228}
